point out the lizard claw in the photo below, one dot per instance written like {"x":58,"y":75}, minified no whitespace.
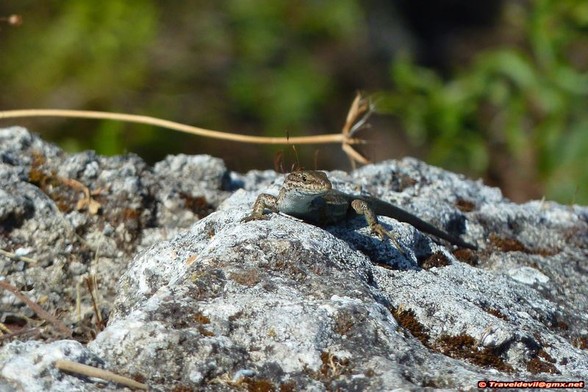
{"x":362,"y":207}
{"x":379,"y":230}
{"x":254,"y":217}
{"x":263,"y":202}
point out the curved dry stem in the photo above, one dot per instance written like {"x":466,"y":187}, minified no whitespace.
{"x":91,"y":371}
{"x":344,"y":138}
{"x":37,"y":308}
{"x":140,"y":119}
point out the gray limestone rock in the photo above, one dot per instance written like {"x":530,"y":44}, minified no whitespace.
{"x":278,"y":304}
{"x":30,"y":366}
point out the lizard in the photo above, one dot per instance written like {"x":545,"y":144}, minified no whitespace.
{"x":309,"y":195}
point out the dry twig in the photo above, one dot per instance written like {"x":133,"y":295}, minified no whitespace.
{"x":91,"y":371}
{"x":16,"y":257}
{"x":92,"y":288}
{"x":24,"y":331}
{"x":87,"y":202}
{"x":358,"y":114}
{"x":36,"y":308}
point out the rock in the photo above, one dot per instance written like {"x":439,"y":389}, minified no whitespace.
{"x":30,"y":366}
{"x":44,"y":207}
{"x":279,"y":304}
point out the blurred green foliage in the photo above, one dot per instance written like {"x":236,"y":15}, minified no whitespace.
{"x":81,"y":54}
{"x":251,"y":66}
{"x":81,"y":45}
{"x":529,"y":101}
{"x":278,"y":75}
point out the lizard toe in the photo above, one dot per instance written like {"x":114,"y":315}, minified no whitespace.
{"x":253,"y":217}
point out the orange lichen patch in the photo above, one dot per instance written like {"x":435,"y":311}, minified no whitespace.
{"x":197,"y":204}
{"x":465,"y":347}
{"x":346,"y":320}
{"x":407,"y":319}
{"x":87,"y":202}
{"x":258,"y":385}
{"x":249,"y":277}
{"x":507,"y":244}
{"x":542,"y":363}
{"x":333,"y":366}
{"x":406,"y":181}
{"x":190,"y":260}
{"x":288,"y":386}
{"x":201,"y":318}
{"x":465,"y":205}
{"x":512,"y":245}
{"x":460,"y":347}
{"x":467,"y":256}
{"x":59,"y":188}
{"x":496,"y":313}
{"x":182,"y":388}
{"x":437,"y":259}
{"x":581,"y":343}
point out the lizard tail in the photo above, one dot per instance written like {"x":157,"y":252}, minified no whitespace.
{"x":382,"y":208}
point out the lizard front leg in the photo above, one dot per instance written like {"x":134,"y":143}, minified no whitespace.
{"x":361,"y":207}
{"x":262,"y":202}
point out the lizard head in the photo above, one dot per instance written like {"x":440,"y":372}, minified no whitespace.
{"x":309,"y":182}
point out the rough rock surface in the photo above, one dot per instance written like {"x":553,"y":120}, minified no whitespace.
{"x":278,"y":304}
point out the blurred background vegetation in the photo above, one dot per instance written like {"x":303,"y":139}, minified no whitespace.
{"x":496,"y":89}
